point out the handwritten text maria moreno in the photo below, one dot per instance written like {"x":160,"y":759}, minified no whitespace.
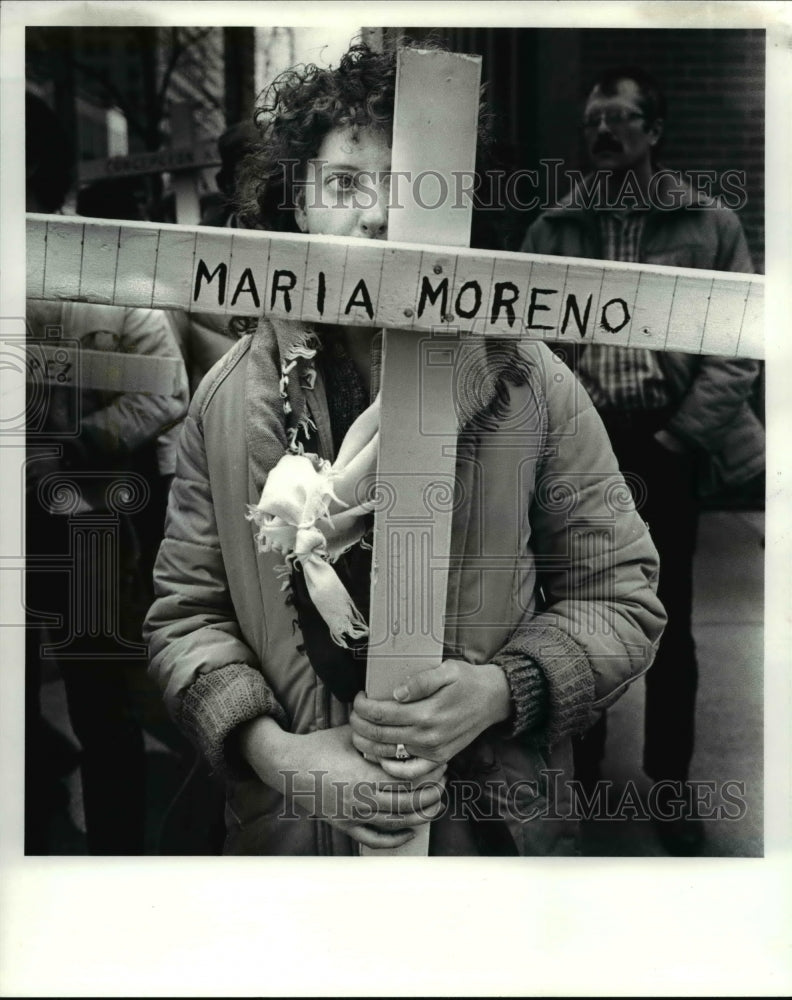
{"x":422,"y":300}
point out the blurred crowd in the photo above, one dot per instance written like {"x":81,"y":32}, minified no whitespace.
{"x":97,"y":478}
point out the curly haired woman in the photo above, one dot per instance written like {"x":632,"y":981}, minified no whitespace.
{"x":268,"y":680}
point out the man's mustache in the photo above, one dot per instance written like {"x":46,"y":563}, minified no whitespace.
{"x":604,"y":144}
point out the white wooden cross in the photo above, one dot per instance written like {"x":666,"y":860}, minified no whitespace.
{"x":423,"y":286}
{"x":185,"y":159}
{"x":408,"y":609}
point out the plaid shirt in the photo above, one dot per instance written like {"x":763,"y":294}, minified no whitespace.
{"x":623,"y":378}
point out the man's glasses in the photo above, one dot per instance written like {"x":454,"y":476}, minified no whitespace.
{"x":615,"y":118}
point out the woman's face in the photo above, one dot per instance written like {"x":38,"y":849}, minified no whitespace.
{"x":347,"y":186}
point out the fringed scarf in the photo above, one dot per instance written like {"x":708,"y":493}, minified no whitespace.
{"x":313,"y":511}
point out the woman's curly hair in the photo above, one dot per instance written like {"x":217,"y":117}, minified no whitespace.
{"x":297,"y":111}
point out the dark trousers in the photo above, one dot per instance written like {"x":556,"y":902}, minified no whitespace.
{"x":663,"y":487}
{"x":102,"y":681}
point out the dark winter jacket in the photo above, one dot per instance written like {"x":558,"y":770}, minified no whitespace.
{"x":711,"y":413}
{"x":557,"y":570}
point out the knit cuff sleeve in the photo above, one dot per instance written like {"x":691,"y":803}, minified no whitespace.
{"x":220,"y":701}
{"x":528,"y":690}
{"x":567,"y":672}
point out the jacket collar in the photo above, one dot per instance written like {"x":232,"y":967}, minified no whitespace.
{"x":670,"y":191}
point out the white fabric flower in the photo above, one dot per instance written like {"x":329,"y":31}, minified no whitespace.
{"x":311,"y":511}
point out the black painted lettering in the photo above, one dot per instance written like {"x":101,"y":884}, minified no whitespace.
{"x":320,"y":294}
{"x":246,"y":284}
{"x":432,"y":294}
{"x":290,"y":280}
{"x":364,"y":300}
{"x":538,"y":307}
{"x":605,"y":323}
{"x":500,"y":300}
{"x":202,"y":272}
{"x":572,"y":307}
{"x":475,"y":287}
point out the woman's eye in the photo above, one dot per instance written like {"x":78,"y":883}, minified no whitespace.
{"x":342,"y":182}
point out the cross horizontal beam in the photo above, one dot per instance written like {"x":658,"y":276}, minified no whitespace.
{"x":194,"y":157}
{"x":325,"y":279}
{"x":66,"y":364}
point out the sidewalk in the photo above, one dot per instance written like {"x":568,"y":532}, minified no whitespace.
{"x":728,"y":628}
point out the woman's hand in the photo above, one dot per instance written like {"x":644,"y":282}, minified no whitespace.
{"x":435,"y":714}
{"x":330,"y":779}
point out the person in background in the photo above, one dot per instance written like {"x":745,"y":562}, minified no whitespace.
{"x":92,"y":466}
{"x":203,"y":337}
{"x":123,"y":198}
{"x":667,"y":414}
{"x":233,"y":145}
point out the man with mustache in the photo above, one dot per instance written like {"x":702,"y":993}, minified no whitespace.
{"x":664,"y":411}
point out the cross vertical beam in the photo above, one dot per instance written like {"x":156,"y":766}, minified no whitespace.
{"x":434,"y":138}
{"x":185,"y":186}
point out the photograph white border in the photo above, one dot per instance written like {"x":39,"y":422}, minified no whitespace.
{"x":266,"y":926}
